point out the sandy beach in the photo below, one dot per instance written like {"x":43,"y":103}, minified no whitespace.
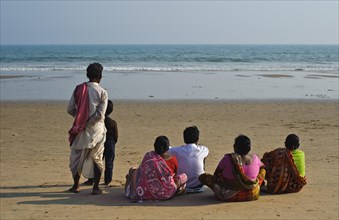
{"x":35,"y":154}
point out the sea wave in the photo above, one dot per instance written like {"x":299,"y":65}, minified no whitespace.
{"x":169,"y":68}
{"x":169,"y":58}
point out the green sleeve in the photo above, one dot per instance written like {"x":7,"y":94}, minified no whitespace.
{"x":299,"y":161}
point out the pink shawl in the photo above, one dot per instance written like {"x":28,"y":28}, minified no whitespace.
{"x":155,"y":181}
{"x":82,"y":111}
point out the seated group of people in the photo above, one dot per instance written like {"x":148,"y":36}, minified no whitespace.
{"x":240,"y":176}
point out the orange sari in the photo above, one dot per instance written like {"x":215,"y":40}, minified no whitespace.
{"x":281,"y":173}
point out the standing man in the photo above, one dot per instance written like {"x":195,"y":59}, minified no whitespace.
{"x":87,"y":135}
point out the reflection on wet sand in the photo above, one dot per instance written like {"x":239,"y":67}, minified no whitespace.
{"x":315,"y":76}
{"x":276,"y":75}
{"x":10,"y":76}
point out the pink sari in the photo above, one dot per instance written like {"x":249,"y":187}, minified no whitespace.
{"x":153,"y":180}
{"x":82,"y":113}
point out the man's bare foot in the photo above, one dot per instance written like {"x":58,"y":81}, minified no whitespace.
{"x":97,"y":191}
{"x":89,"y":182}
{"x":74,"y":189}
{"x":110,"y":184}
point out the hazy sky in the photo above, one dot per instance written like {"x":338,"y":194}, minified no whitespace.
{"x":169,"y":22}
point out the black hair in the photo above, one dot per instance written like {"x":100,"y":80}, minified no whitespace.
{"x":94,"y":71}
{"x":191,"y":134}
{"x":242,"y":145}
{"x":109,"y":108}
{"x":161,"y":145}
{"x":292,"y":142}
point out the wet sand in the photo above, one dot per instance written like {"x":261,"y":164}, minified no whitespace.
{"x":233,"y":85}
{"x":35,"y":154}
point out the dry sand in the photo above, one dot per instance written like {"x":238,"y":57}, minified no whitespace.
{"x":35,"y":153}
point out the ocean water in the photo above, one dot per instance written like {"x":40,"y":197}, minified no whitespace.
{"x":173,"y":71}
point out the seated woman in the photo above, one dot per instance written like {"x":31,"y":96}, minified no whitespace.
{"x":238,"y":176}
{"x":285,"y":167}
{"x":156,"y":177}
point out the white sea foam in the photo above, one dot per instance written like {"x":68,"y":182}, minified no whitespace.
{"x":170,"y":69}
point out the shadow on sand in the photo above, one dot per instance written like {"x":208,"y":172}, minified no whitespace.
{"x":51,"y":194}
{"x":112,"y":196}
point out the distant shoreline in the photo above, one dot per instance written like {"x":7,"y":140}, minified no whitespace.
{"x":150,"y":86}
{"x":181,"y":101}
{"x":175,"y":44}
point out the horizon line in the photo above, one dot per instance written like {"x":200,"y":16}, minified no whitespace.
{"x":160,"y":44}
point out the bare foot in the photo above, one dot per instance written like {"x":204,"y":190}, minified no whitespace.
{"x":74,"y":189}
{"x":109,"y":184}
{"x":97,"y":191}
{"x":89,"y":182}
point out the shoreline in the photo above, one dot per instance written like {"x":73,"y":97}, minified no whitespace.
{"x":237,"y":85}
{"x":183,"y":101}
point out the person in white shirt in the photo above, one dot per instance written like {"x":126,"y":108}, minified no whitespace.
{"x":191,"y":159}
{"x":87,"y":135}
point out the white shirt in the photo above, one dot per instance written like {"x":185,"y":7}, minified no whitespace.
{"x":95,"y":129}
{"x":191,"y":162}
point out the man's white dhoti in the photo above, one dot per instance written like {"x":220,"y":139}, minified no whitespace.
{"x":82,"y":161}
{"x":88,"y":146}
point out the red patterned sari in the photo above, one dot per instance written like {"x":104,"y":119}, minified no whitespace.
{"x":152,"y":180}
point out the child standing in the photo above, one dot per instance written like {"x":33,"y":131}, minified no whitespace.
{"x":111,"y":141}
